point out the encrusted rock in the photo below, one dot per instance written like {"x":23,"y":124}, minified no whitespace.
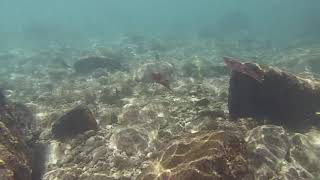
{"x":76,"y":121}
{"x":214,"y":155}
{"x":91,"y":63}
{"x":144,"y":73}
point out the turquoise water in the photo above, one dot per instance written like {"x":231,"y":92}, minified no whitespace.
{"x":25,"y":23}
{"x":137,"y":89}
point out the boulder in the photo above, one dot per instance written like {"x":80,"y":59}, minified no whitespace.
{"x":76,"y":121}
{"x":206,"y":156}
{"x":280,"y":97}
{"x":89,"y":64}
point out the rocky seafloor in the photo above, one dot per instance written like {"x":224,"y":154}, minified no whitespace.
{"x":97,"y":114}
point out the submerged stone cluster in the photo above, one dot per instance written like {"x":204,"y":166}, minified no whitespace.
{"x":103,"y":116}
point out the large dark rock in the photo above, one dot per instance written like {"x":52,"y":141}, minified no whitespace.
{"x":207,"y":156}
{"x":282,"y":98}
{"x":76,"y":121}
{"x":91,"y":63}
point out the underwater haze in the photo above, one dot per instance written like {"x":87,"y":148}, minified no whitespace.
{"x":30,"y":23}
{"x":159,"y":89}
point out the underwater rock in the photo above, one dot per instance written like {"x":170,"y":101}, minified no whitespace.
{"x":130,"y":140}
{"x":270,"y":154}
{"x":213,"y":155}
{"x":20,"y":120}
{"x":16,"y":132}
{"x":280,"y":97}
{"x":76,"y":121}
{"x":144,"y":73}
{"x":91,"y":63}
{"x":15,"y":156}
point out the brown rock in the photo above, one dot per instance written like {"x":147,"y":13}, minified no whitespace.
{"x":214,"y":155}
{"x":282,"y":98}
{"x":76,"y":121}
